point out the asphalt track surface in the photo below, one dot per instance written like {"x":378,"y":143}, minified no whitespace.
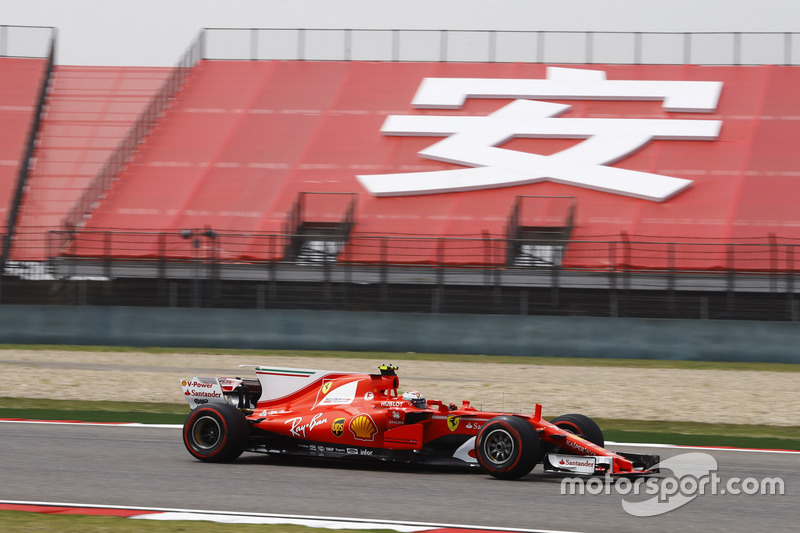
{"x":149,"y":467}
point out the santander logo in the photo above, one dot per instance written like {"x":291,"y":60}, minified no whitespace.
{"x":576,"y":462}
{"x":474,"y":141}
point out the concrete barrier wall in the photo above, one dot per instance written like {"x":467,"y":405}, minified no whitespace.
{"x":707,"y":340}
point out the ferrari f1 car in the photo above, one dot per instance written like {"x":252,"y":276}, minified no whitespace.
{"x":348,"y":415}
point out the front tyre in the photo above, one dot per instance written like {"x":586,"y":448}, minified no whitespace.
{"x":215,"y":433}
{"x":507,"y":447}
{"x":581,"y":425}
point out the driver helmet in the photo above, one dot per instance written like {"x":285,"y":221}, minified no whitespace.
{"x":416,"y":399}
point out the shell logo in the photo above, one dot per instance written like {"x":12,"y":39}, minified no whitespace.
{"x":363,"y":428}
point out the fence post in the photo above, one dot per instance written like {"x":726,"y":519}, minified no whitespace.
{"x":347,"y":272}
{"x":213,"y":267}
{"x":253,"y":44}
{"x":637,"y":48}
{"x":731,"y":286}
{"x":790,"y":282}
{"x":588,"y":47}
{"x":626,"y":258}
{"x":540,"y":44}
{"x":671,"y":277}
{"x":554,"y":275}
{"x":196,"y":271}
{"x":384,"y":272}
{"x":273,"y":259}
{"x":787,"y":48}
{"x":162,"y":267}
{"x":201,"y":45}
{"x":439,"y":288}
{"x":487,"y":259}
{"x":497,"y":274}
{"x":395,"y":45}
{"x":107,"y":254}
{"x":83,"y":291}
{"x":687,"y":48}
{"x":612,"y":279}
{"x":348,"y":45}
{"x":773,"y":263}
{"x":107,"y":266}
{"x":326,"y":274}
{"x":301,"y":44}
{"x":6,"y":246}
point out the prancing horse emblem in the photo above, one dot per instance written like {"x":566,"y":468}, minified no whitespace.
{"x":452,"y":422}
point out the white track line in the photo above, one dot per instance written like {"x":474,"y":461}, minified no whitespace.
{"x":106,"y":424}
{"x":270,"y":518}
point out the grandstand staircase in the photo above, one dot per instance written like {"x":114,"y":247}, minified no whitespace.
{"x":538,"y":230}
{"x":318,"y":227}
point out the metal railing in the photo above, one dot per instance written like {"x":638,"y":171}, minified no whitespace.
{"x":27,"y":159}
{"x":629,"y":253}
{"x":624,"y":276}
{"x":566,"y":47}
{"x":542,"y":211}
{"x":126,"y":148}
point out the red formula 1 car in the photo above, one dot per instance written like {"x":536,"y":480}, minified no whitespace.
{"x":347,"y":415}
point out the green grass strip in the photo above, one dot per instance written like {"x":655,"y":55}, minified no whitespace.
{"x":92,"y":411}
{"x":698,"y":434}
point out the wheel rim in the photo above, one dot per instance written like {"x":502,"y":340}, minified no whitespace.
{"x":499,"y":446}
{"x":206,"y":432}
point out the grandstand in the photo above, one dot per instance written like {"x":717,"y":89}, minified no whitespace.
{"x":305,"y":170}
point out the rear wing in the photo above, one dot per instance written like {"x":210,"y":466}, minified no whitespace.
{"x":200,"y":391}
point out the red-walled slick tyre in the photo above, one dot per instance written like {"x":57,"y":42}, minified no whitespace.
{"x":581,"y":425}
{"x":215,"y":433}
{"x":507,"y":447}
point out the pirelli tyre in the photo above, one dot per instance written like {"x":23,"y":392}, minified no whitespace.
{"x":507,"y":447}
{"x":581,"y":425}
{"x":215,"y":433}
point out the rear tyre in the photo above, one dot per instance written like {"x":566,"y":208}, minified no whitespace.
{"x":581,"y":425}
{"x":507,"y":447}
{"x":215,"y":433}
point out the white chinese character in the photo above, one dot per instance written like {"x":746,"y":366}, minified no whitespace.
{"x":474,"y":141}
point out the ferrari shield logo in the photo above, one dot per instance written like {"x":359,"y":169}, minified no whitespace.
{"x":326,"y":387}
{"x":452,"y":422}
